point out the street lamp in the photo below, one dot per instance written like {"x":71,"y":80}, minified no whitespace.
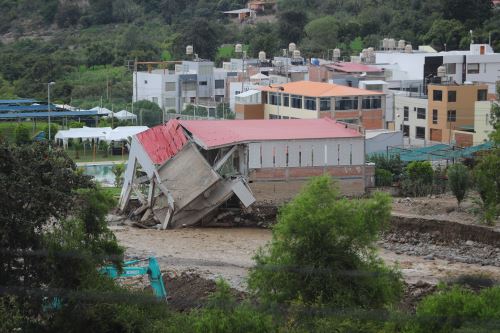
{"x":48,"y":103}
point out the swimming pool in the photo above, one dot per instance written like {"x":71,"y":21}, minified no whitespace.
{"x":102,"y":173}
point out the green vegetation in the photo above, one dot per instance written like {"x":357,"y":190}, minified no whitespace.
{"x":417,"y":179}
{"x":22,"y":134}
{"x":459,"y":181}
{"x":323,"y":252}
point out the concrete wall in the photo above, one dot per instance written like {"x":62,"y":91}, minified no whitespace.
{"x":148,"y":86}
{"x":379,"y":142}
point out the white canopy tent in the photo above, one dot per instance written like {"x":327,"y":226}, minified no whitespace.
{"x":102,"y":111}
{"x":124,"y":132}
{"x":125,"y":115}
{"x":85,"y":133}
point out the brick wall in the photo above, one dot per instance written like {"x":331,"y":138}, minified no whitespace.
{"x":464,"y":139}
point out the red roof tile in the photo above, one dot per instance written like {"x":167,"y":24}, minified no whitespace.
{"x":217,"y":133}
{"x":164,"y":141}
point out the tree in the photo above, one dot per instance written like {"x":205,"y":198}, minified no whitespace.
{"x":459,"y":181}
{"x":67,"y":15}
{"x":202,"y":34}
{"x":118,"y":170}
{"x":487,"y":180}
{"x":418,"y":178}
{"x":464,"y":10}
{"x":291,"y":26}
{"x":22,"y":134}
{"x":449,"y":32}
{"x":323,"y":32}
{"x":150,"y":114}
{"x":53,"y":130}
{"x":323,"y":252}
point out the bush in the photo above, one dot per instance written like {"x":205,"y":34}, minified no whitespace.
{"x":22,"y":134}
{"x":53,"y":130}
{"x":459,"y":180}
{"x":118,"y":170}
{"x":452,"y":309}
{"x":487,"y":180}
{"x":391,"y":163}
{"x":323,"y":252}
{"x":76,"y":124}
{"x":417,"y":179}
{"x":383,"y":177}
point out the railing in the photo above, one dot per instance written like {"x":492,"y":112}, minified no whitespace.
{"x":169,"y":116}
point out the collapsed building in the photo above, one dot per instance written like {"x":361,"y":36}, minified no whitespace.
{"x":182,"y":171}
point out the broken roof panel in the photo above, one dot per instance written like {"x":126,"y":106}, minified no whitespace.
{"x":164,"y":141}
{"x":217,"y":133}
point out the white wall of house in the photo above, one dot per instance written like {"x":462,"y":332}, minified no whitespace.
{"x":412,"y":104}
{"x":482,"y":126}
{"x":148,"y":86}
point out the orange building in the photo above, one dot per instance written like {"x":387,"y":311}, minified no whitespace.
{"x":313,"y":100}
{"x":451,"y":107}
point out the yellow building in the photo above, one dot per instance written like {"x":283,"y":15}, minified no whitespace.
{"x":452,"y":107}
{"x":314,"y":100}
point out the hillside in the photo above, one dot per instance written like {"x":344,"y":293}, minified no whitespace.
{"x":85,"y":45}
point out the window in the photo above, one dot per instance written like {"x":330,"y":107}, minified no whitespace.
{"x":472,"y":68}
{"x":325,"y":104}
{"x":145,"y":81}
{"x":482,"y":95}
{"x":346,"y":103}
{"x":406,"y":113}
{"x":296,"y":102}
{"x":437,"y":95}
{"x":219,"y":84}
{"x":203,"y":83}
{"x":451,"y":68}
{"x":170,"y":86}
{"x":374,"y":102}
{"x":421,"y":113}
{"x":170,"y":103}
{"x":452,"y":116}
{"x":310,"y":103}
{"x":420,"y":132}
{"x":274,"y":99}
{"x":286,"y":100}
{"x":188,"y":86}
{"x":406,"y":130}
{"x":434,"y":116}
{"x":154,"y":100}
{"x":452,"y":96}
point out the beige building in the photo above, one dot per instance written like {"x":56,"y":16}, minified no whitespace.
{"x":314,"y":100}
{"x":481,"y":130}
{"x":452,"y":107}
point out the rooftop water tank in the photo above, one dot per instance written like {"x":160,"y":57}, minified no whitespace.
{"x":292,"y":47}
{"x":189,"y":49}
{"x":441,"y":72}
{"x":296,"y":54}
{"x":262,"y":56}
{"x":336,"y":54}
{"x":391,"y":43}
{"x":401,"y":44}
{"x":238,"y":48}
{"x":385,"y":43}
{"x":408,"y":48}
{"x":315,"y":61}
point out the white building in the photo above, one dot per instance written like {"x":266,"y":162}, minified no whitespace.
{"x":411,"y":118}
{"x":478,"y":64}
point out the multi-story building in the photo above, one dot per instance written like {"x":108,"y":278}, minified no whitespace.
{"x":482,"y":128}
{"x":411,"y":118}
{"x":479,"y":64}
{"x":452,"y":107}
{"x":313,"y":100}
{"x":192,"y":82}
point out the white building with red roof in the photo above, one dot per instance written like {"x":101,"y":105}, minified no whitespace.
{"x":190,"y":168}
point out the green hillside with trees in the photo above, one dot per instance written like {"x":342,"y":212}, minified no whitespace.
{"x":87,"y":46}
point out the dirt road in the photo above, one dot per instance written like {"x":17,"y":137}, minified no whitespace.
{"x":228,"y":253}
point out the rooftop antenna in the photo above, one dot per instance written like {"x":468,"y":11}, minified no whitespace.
{"x":471,"y":37}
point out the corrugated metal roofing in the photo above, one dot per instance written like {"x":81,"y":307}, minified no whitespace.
{"x":18,"y":101}
{"x":54,"y":114}
{"x":318,"y":89}
{"x":21,"y":108}
{"x":217,"y":133}
{"x":164,"y":141}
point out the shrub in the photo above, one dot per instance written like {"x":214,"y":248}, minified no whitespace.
{"x":53,"y":130}
{"x":392,"y":163}
{"x":118,"y":170}
{"x":487,"y":181}
{"x":76,"y":124}
{"x":383,"y":177}
{"x":323,"y":252}
{"x":417,"y":179}
{"x":459,"y":180}
{"x":22,"y":134}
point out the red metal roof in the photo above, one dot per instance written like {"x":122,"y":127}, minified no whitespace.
{"x":164,"y":141}
{"x":217,"y":133}
{"x":351,"y":67}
